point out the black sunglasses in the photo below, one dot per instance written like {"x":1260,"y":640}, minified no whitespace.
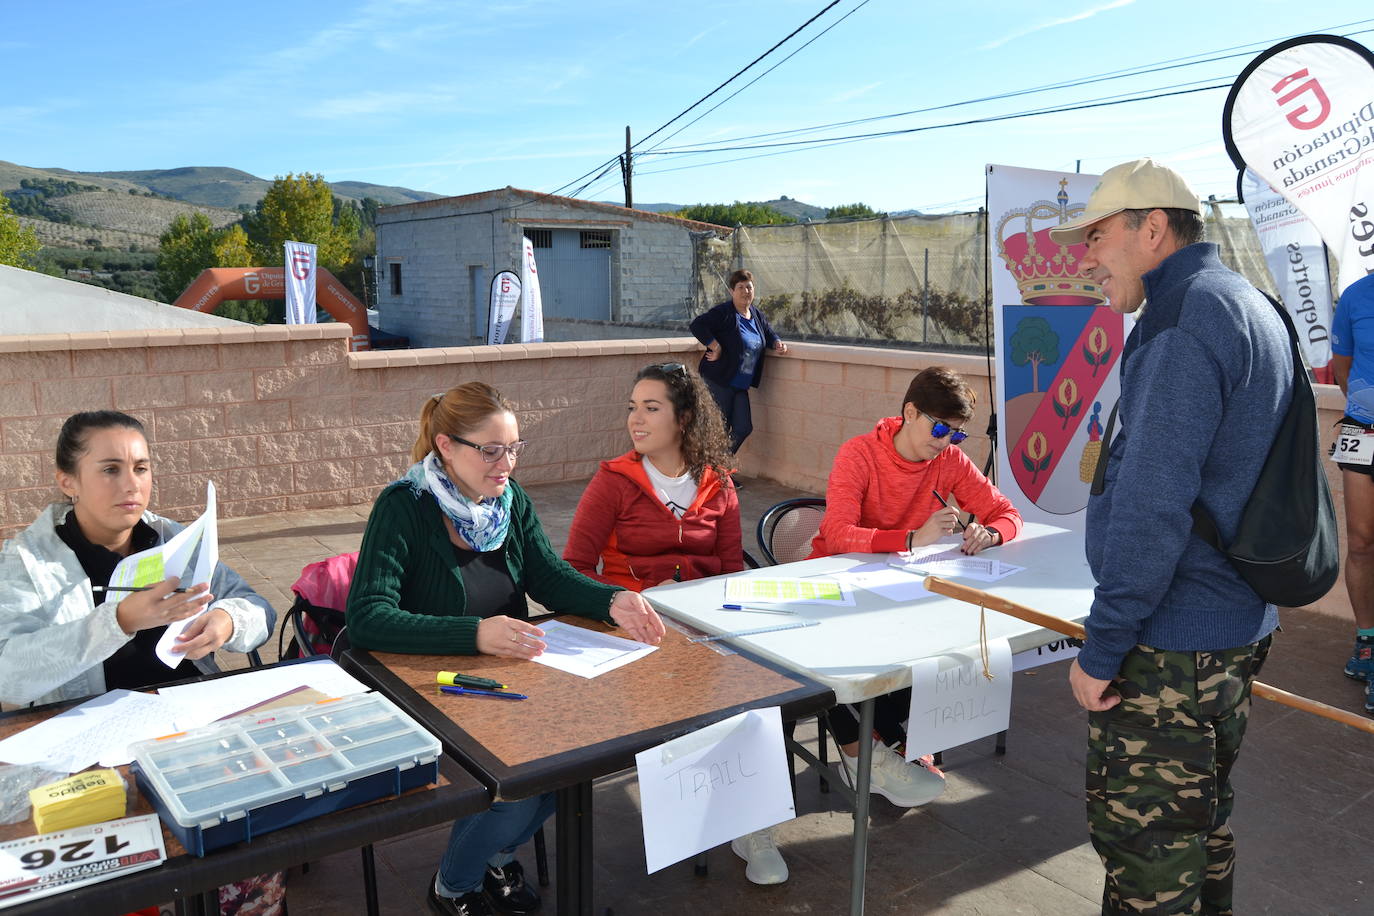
{"x":492,"y":452}
{"x":939,"y":429}
{"x":670,"y":368}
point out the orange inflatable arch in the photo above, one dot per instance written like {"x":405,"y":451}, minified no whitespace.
{"x":220,"y":284}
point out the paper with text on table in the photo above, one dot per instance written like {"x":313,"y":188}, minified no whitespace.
{"x":942,"y":559}
{"x":587,"y":653}
{"x":764,"y":590}
{"x":953,"y":703}
{"x":99,"y":730}
{"x":202,"y":702}
{"x":719,"y":782}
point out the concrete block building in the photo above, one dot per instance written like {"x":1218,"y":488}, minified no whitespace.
{"x":597,"y":262}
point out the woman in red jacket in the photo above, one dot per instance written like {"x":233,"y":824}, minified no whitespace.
{"x":885,"y":495}
{"x":666,"y":511}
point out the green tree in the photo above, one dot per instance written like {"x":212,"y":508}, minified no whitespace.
{"x":18,"y":244}
{"x":184,"y":250}
{"x":302,"y":209}
{"x":1036,"y":343}
{"x":735,"y":214}
{"x":853,"y":211}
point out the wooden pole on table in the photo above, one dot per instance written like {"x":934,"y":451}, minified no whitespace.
{"x":1069,"y":628}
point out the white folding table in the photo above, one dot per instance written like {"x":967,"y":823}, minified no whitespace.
{"x":865,"y":651}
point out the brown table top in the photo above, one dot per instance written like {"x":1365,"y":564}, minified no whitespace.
{"x":457,"y":794}
{"x":571,"y":728}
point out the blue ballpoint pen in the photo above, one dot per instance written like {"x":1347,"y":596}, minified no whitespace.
{"x":756,"y":609}
{"x":475,"y":692}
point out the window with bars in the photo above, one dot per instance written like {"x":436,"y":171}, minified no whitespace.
{"x":542,"y":238}
{"x":596,"y":239}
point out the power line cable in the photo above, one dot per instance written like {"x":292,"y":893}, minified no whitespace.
{"x":759,"y":77}
{"x":737,"y":74}
{"x":1142,"y":70}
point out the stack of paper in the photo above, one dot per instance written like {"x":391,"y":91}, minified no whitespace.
{"x":86,"y":798}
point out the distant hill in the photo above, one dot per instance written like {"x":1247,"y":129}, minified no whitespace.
{"x":206,"y":186}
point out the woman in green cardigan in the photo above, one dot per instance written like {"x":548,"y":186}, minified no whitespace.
{"x":450,"y":553}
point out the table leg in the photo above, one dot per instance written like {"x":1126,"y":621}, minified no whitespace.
{"x":370,"y":881}
{"x":573,"y":840}
{"x":861,"y":786}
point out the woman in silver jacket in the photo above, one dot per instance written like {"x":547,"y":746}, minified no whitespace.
{"x":62,"y":636}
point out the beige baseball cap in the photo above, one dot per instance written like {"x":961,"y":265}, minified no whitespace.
{"x":1141,"y":184}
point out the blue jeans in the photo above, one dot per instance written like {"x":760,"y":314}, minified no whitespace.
{"x":489,"y":838}
{"x":734,"y":407}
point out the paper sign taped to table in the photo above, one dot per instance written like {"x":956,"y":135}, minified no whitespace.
{"x":713,"y":785}
{"x":1057,"y":651}
{"x":953,"y":704}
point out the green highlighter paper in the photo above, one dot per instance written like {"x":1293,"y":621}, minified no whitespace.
{"x":748,"y":588}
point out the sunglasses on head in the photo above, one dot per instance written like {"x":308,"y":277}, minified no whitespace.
{"x":492,"y":452}
{"x":939,"y":429}
{"x":671,"y":368}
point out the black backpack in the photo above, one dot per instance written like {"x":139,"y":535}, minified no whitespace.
{"x":1287,"y":547}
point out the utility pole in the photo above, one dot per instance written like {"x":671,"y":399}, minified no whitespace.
{"x":627,"y":171}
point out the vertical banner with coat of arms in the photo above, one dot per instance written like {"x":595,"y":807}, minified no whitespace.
{"x":1057,"y":346}
{"x":300,"y":282}
{"x":505,"y":296}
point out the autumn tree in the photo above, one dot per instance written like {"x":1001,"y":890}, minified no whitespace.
{"x":302,"y":208}
{"x":18,"y":244}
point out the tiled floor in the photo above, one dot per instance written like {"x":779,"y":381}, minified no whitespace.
{"x":1007,"y":837}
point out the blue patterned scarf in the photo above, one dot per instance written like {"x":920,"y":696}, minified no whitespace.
{"x":483,"y":525}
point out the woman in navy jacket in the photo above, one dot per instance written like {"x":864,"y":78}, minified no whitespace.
{"x":736,"y":334}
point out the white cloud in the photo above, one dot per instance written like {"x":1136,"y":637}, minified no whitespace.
{"x":1052,"y":23}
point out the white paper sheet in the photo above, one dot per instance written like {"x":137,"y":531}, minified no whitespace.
{"x":77,"y":857}
{"x":713,"y":785}
{"x":943,"y":559}
{"x":587,"y":653}
{"x":894,"y":583}
{"x":955,"y":704}
{"x":98,"y":731}
{"x":205,"y":701}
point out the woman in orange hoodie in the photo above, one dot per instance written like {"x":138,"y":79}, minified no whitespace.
{"x":887,"y":493}
{"x":666,"y":511}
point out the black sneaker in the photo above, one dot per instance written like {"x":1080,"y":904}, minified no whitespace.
{"x":476,"y":903}
{"x":508,"y":891}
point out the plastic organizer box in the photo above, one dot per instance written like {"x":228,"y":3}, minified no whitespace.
{"x":237,"y":779}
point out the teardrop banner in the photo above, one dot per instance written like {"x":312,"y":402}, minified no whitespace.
{"x":1301,"y":116}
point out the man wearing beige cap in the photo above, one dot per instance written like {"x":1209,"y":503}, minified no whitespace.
{"x":1175,"y":636}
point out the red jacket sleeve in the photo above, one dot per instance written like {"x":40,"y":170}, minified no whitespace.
{"x":844,"y":497}
{"x":729,"y":541}
{"x":977,"y":495}
{"x":593,"y":524}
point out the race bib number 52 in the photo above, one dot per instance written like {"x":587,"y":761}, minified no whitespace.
{"x":1354,"y":445}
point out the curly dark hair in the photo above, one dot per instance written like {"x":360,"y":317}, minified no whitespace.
{"x":705,"y":443}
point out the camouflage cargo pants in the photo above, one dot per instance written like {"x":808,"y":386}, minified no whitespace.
{"x":1159,"y":779}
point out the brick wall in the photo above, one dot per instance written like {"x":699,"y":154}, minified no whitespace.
{"x":285,"y":418}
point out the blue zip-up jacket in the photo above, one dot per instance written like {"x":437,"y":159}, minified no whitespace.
{"x":1206,"y":380}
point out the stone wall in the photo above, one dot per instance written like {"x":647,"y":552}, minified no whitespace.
{"x":285,"y":418}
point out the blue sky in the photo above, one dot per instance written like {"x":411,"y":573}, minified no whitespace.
{"x":456,"y":97}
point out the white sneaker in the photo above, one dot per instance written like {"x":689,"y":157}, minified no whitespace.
{"x":906,"y":785}
{"x":760,"y":850}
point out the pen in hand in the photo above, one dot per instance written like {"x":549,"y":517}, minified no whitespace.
{"x":962,"y":526}
{"x":132,"y":588}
